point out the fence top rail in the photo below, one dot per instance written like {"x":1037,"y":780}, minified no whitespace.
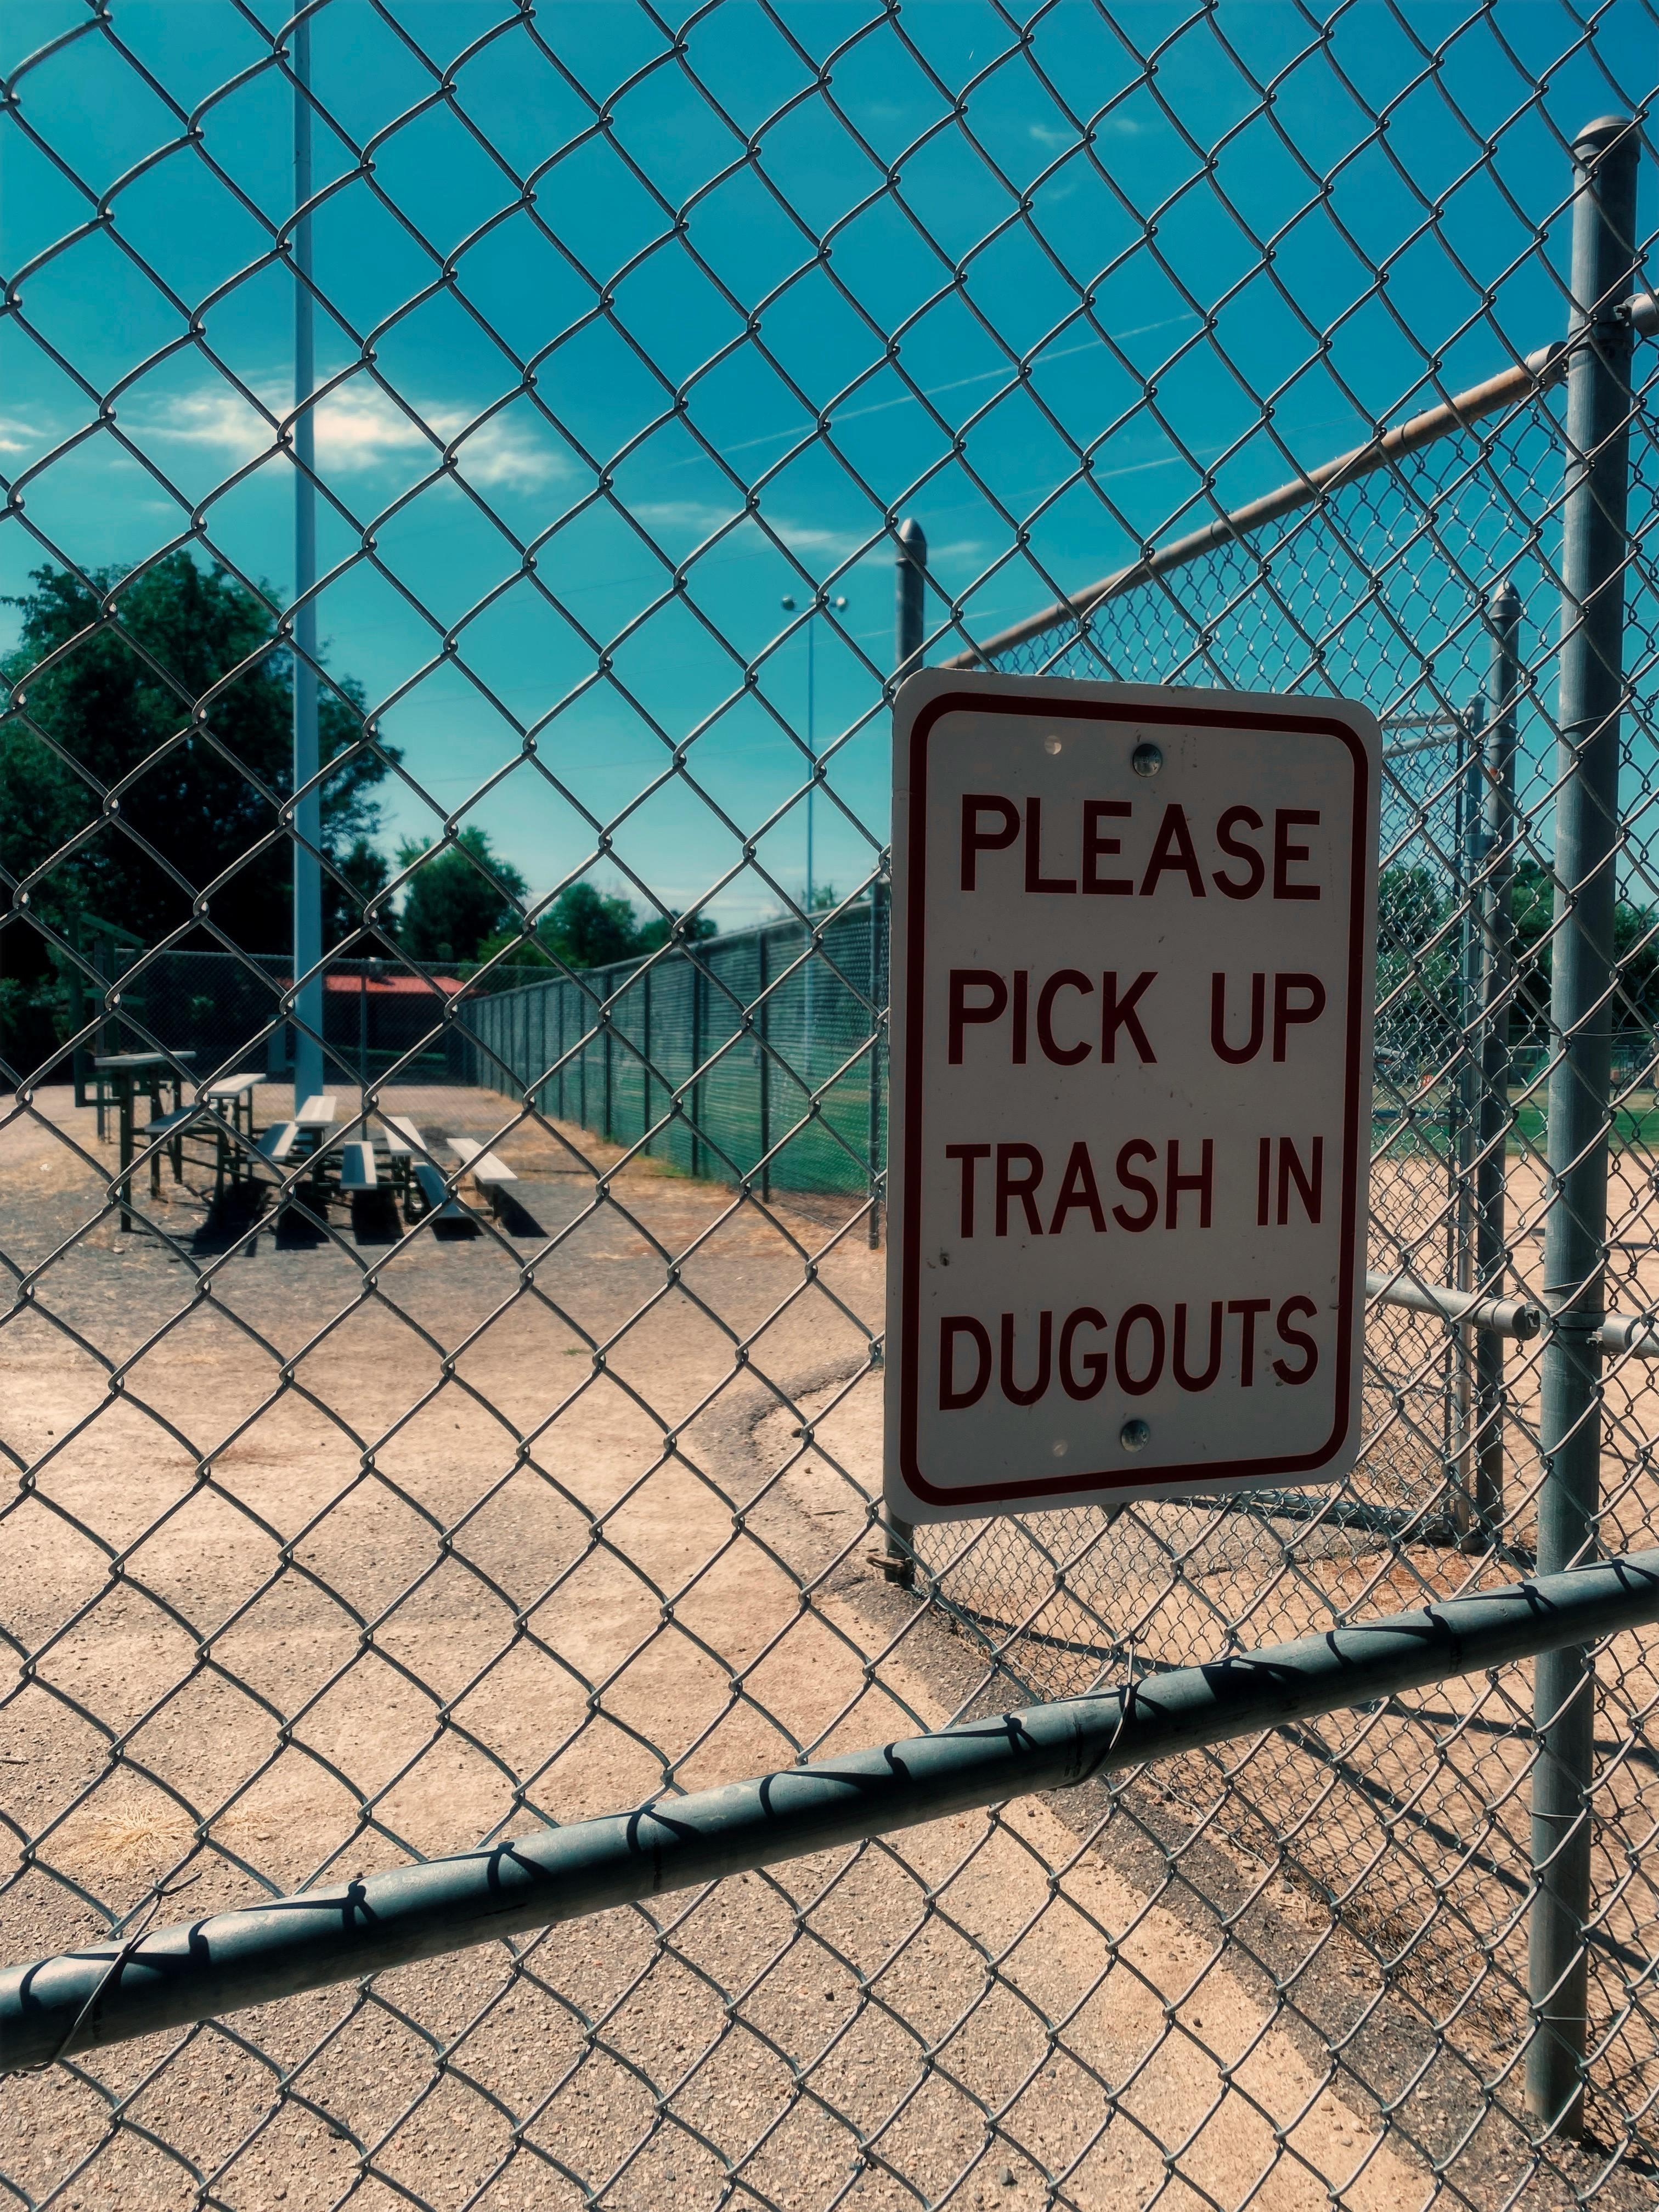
{"x":1524,"y":380}
{"x":110,"y":1992}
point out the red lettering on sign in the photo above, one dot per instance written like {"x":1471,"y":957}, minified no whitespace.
{"x":1297,"y":1338}
{"x":1078,"y":1187}
{"x":1286,"y":818}
{"x":1035,"y":879}
{"x":963,"y":980}
{"x":1009,"y":1187}
{"x":1309,"y":1186}
{"x":1021,"y":1012}
{"x":970,"y":1155}
{"x":1132,"y":1385}
{"x":1136,"y":1149}
{"x":1203,"y":1182}
{"x":1247,"y":1310}
{"x":1094,"y":1362}
{"x":1095,"y":847}
{"x":1214,"y":1368}
{"x":1255,"y":867}
{"x":951,"y":1400}
{"x":1065,"y":979}
{"x":1172,"y":851}
{"x":1012,"y":1390}
{"x":975,"y":841}
{"x":1285,"y":1015}
{"x":1142,"y":1348}
{"x":1117,"y":1014}
{"x":1237,"y":1056}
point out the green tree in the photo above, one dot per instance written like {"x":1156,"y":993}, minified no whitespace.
{"x":1416,"y":954}
{"x":367,"y":871}
{"x":590,"y":928}
{"x":185,"y":690}
{"x":1635,"y":948}
{"x":459,"y":895}
{"x":585,"y":927}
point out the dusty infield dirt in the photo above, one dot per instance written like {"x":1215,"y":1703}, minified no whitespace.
{"x":328,"y":1554}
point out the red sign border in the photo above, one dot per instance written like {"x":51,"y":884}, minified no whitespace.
{"x":1145,"y":713}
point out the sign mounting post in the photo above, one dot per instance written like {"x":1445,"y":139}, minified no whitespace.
{"x":1132,"y":941}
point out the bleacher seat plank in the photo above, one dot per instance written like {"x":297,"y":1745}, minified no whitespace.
{"x":439,"y":1202}
{"x":357,"y":1170}
{"x":279,"y":1141}
{"x":483,"y":1166}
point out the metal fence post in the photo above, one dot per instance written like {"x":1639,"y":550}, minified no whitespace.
{"x":1465,"y":1121}
{"x":1492,"y":1255}
{"x":909,"y":605}
{"x":605,"y":1017}
{"x":306,"y":836}
{"x":1593,"y":560}
{"x":761,"y":967}
{"x":582,"y":1052}
{"x":692,"y":1088}
{"x":877,"y":1035}
{"x":645,"y":1056}
{"x":897,"y":1560}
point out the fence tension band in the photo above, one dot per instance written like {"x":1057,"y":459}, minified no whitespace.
{"x":229,"y":1959}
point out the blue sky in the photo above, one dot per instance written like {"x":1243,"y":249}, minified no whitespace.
{"x":975,"y":258}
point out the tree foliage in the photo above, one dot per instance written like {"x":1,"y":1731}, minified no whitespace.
{"x":459,"y":895}
{"x":585,"y":927}
{"x":187,"y":692}
{"x":1420,"y":952}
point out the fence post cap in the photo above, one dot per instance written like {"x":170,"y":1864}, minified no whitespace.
{"x":1605,"y":131}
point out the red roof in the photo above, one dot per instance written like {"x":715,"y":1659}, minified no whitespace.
{"x":386,"y":987}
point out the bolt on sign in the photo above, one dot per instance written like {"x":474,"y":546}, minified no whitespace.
{"x":1133,"y":944}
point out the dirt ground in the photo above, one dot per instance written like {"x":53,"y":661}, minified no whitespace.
{"x":326,"y":1553}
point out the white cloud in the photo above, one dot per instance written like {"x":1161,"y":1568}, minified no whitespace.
{"x":1109,"y":126}
{"x":17,"y":435}
{"x":358,"y":429}
{"x":698,"y":518}
{"x":694,"y":514}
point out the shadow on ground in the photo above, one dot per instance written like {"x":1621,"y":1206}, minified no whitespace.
{"x":233,"y":1215}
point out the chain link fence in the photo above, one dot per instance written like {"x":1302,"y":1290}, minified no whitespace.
{"x":499,"y":1446}
{"x":757,"y":1060}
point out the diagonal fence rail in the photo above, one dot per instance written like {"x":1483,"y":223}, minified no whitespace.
{"x":174,"y":1976}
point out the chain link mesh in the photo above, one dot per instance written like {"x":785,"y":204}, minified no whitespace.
{"x":349,"y":1527}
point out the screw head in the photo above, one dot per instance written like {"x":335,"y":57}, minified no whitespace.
{"x":1146,"y":760}
{"x":1135,"y":1436}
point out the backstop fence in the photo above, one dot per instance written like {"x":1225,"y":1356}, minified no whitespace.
{"x":539,"y":1478}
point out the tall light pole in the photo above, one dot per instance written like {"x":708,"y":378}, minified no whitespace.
{"x":788,"y":603}
{"x":838,"y":604}
{"x":307,"y":832}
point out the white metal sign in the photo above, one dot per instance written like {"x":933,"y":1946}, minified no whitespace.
{"x":1131,"y":952}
